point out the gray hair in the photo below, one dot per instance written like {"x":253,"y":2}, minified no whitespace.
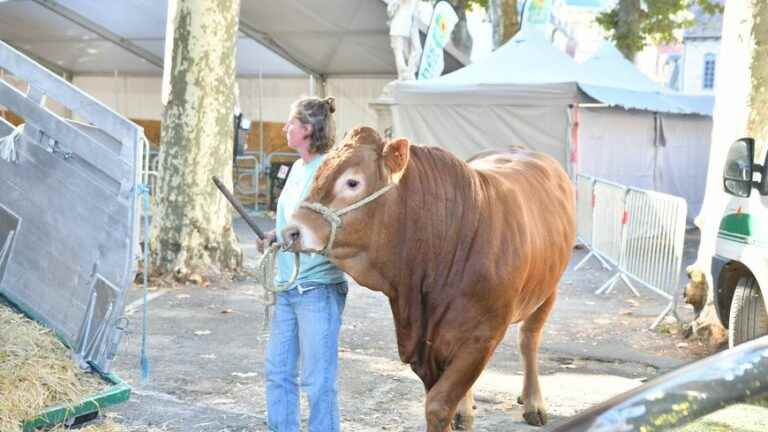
{"x":319,"y":114}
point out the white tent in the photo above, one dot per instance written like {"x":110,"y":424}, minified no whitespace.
{"x":518,"y":96}
{"x":653,"y":145}
{"x":529,"y":93}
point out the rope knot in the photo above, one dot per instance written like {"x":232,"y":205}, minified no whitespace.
{"x":8,"y":145}
{"x":142,"y":188}
{"x":265,"y":273}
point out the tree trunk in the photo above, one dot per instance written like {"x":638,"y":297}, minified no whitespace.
{"x":741,"y":109}
{"x":630,"y":16}
{"x":460,"y":36}
{"x":505,"y":20}
{"x":758,"y":116}
{"x":192,"y":227}
{"x":510,"y":20}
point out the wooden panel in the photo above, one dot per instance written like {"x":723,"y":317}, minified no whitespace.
{"x":274,"y":141}
{"x":151,"y":130}
{"x":11,"y":117}
{"x":274,"y":138}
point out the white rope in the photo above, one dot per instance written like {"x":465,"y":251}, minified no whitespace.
{"x":265,"y":273}
{"x":333,"y":217}
{"x":8,"y":145}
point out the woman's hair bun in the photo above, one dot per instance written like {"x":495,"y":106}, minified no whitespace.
{"x":331,"y":101}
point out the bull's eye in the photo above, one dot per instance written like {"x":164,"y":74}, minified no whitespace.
{"x":352,"y":183}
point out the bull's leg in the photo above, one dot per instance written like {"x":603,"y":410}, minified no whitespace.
{"x":534,"y":411}
{"x":464,"y":419}
{"x":454,"y":384}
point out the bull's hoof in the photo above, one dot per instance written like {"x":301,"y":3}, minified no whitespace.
{"x":464,"y":423}
{"x":535,"y":418}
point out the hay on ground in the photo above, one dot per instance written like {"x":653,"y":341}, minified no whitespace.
{"x":36,"y":371}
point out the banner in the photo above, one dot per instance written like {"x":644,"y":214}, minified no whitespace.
{"x":444,"y":19}
{"x":536,"y":15}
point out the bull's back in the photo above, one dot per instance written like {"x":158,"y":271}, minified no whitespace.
{"x":532,"y":215}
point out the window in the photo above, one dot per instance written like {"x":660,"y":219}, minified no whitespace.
{"x":709,"y":72}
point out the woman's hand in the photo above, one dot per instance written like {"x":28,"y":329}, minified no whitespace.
{"x":269,"y":238}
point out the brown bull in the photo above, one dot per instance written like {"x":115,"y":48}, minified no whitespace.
{"x":461,"y":251}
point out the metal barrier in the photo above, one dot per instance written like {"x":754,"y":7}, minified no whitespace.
{"x":640,"y":232}
{"x":149,"y":173}
{"x":250,"y":171}
{"x":247,"y":174}
{"x":585,"y":208}
{"x":652,"y":245}
{"x":267,"y":162}
{"x":608,"y":214}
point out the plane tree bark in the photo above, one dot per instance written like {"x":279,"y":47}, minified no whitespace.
{"x":192,"y":222}
{"x":505,"y":21}
{"x":741,"y":109}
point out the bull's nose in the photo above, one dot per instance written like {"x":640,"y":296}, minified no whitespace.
{"x":291,"y":234}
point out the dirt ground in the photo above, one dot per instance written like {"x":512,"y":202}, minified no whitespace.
{"x":206,"y":348}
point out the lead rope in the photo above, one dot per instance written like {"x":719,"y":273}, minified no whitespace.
{"x":8,"y":145}
{"x":333,"y":217}
{"x":265,"y":273}
{"x":144,"y":357}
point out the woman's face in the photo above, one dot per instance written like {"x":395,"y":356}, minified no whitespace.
{"x":297,"y":133}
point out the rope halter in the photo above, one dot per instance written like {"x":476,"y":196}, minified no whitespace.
{"x":333,"y":217}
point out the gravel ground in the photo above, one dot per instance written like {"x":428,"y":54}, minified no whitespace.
{"x":206,"y":346}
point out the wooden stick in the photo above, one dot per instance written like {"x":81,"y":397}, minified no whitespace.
{"x":239,"y":207}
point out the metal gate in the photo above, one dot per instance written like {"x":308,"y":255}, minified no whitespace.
{"x":68,"y":210}
{"x":585,"y":219}
{"x":640,"y":232}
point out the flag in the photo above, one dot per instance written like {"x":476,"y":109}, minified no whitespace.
{"x":444,"y":19}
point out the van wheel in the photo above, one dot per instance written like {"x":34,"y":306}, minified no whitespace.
{"x":748,"y":319}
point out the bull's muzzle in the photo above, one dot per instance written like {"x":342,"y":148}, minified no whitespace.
{"x":292,"y":233}
{"x":292,"y":236}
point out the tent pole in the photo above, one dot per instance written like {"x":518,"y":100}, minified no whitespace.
{"x":261,"y":118}
{"x":2,"y":107}
{"x":312,"y":85}
{"x":114,"y":89}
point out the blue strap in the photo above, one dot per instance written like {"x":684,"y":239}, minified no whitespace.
{"x":144,"y":359}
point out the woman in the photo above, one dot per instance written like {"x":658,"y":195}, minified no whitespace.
{"x":307,"y":316}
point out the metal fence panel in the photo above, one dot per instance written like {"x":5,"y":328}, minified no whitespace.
{"x":609,"y":213}
{"x":641,"y":232}
{"x":584,"y":201}
{"x":585,"y":220}
{"x":654,"y":241}
{"x":69,"y":211}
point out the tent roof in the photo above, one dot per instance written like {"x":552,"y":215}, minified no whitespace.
{"x":598,"y":4}
{"x":608,"y":67}
{"x":527,"y":69}
{"x":610,"y":78}
{"x":534,"y":72}
{"x":278,"y":38}
{"x":522,"y":60}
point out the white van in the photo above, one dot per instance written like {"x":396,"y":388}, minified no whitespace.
{"x":740,"y":263}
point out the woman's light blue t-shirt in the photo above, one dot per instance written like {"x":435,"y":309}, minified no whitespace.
{"x":313,"y":267}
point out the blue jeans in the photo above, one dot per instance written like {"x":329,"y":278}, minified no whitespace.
{"x":305,"y":326}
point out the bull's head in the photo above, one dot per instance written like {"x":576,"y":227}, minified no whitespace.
{"x":350,"y":187}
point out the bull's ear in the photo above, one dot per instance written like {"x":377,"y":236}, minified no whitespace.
{"x":396,"y":154}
